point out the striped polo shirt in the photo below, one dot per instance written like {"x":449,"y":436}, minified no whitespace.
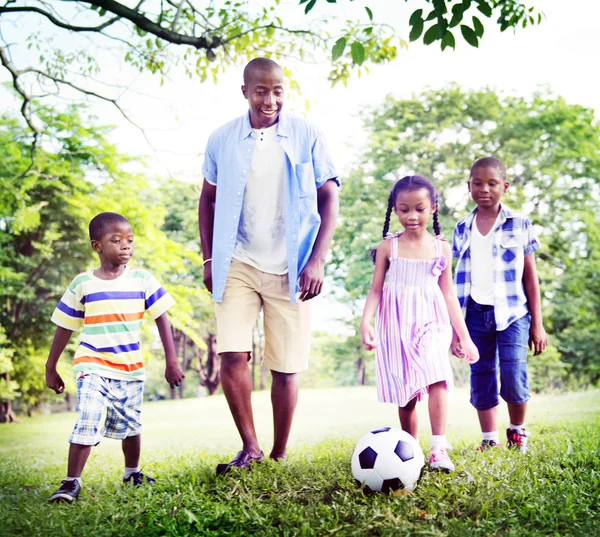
{"x":109,"y":314}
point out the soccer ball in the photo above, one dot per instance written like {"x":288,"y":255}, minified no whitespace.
{"x":387,"y":459}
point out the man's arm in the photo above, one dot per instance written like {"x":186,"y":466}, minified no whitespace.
{"x":538,"y":339}
{"x":311,"y":279}
{"x":206,"y":220}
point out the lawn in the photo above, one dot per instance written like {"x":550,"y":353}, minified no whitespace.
{"x":553,"y":490}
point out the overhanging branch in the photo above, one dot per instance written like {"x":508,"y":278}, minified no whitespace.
{"x":58,"y":22}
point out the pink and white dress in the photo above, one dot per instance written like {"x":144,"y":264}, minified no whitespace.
{"x":413,"y":329}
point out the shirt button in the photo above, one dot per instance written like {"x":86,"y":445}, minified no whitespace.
{"x":244,"y":171}
{"x":239,"y":193}
{"x":226,"y":259}
{"x":231,"y":236}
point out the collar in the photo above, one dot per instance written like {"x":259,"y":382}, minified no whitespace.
{"x":283,"y":125}
{"x":505,"y":214}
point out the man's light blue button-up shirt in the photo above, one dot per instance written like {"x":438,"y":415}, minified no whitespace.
{"x":308,"y":167}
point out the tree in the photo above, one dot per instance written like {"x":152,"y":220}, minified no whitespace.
{"x":205,"y":40}
{"x":552,"y":152}
{"x":44,"y":213}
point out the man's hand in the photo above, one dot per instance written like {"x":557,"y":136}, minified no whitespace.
{"x":208,"y":276}
{"x":174,"y":375}
{"x":538,"y":339}
{"x":54,"y":380}
{"x":311,"y":279}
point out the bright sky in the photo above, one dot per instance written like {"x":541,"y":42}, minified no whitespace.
{"x":561,"y":53}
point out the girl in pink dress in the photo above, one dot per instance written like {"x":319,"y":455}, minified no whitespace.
{"x":416,"y":309}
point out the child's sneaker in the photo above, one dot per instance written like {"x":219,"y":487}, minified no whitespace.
{"x":138,"y":478}
{"x":68,"y":491}
{"x":517,"y":439}
{"x":488,"y":444}
{"x":439,"y":460}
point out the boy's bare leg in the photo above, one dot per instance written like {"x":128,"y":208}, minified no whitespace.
{"x":132,"y":446}
{"x":517,"y":413}
{"x":284,"y":397}
{"x":237,"y":387}
{"x":409,"y":420}
{"x":78,"y":456}
{"x":488,"y":419}
{"x":438,"y":408}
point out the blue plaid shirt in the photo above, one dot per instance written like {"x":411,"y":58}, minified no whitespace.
{"x":514,"y":238}
{"x":308,"y":167}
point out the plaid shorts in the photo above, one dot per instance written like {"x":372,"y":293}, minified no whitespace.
{"x":123,"y":402}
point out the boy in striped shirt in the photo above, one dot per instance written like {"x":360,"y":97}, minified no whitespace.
{"x":107,"y":304}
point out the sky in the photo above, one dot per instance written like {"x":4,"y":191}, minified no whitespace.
{"x":562,"y":53}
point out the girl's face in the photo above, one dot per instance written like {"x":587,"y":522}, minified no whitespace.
{"x":413,"y":209}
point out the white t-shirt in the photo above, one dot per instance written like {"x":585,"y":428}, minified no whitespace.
{"x":482,"y":264}
{"x":261,"y":232}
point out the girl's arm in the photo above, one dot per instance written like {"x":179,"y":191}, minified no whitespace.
{"x":538,"y":339}
{"x":374,"y":296}
{"x":468,"y":349}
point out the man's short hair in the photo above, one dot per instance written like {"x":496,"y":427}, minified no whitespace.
{"x":259,"y":64}
{"x":101,"y":222}
{"x":490,"y":162}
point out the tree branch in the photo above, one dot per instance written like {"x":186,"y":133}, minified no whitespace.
{"x":57,"y":22}
{"x":89,"y":93}
{"x":26,"y":106}
{"x":145,"y":24}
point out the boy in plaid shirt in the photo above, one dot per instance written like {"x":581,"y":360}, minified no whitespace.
{"x":498,"y":290}
{"x":106,"y":306}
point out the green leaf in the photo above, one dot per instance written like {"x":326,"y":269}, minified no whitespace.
{"x":358,"y":52}
{"x":478,"y":26}
{"x":484,"y":7}
{"x":448,"y":40}
{"x":338,"y":48}
{"x":309,"y":6}
{"x":431,"y":35}
{"x":416,"y":17}
{"x":469,"y":35}
{"x":440,"y":6}
{"x":139,"y":31}
{"x":368,"y":30}
{"x":102,"y":12}
{"x":457,"y":15}
{"x":416,"y":31}
{"x":369,"y":13}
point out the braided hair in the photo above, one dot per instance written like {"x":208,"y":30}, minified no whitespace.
{"x":410,"y":183}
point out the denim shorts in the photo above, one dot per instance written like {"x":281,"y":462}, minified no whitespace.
{"x":120,"y":399}
{"x":503,"y":351}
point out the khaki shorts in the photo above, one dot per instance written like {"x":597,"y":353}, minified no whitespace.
{"x":287,"y":326}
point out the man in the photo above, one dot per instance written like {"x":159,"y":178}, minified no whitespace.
{"x":267,"y":215}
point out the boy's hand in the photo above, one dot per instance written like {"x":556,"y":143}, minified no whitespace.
{"x":538,"y":339}
{"x":455,"y":346}
{"x":368,"y":337}
{"x":470,"y":354}
{"x":174,"y":375}
{"x":54,"y":381}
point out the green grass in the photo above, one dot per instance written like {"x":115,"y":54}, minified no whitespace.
{"x":554,"y":490}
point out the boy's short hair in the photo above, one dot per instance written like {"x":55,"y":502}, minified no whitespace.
{"x":490,"y":162}
{"x":101,"y":222}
